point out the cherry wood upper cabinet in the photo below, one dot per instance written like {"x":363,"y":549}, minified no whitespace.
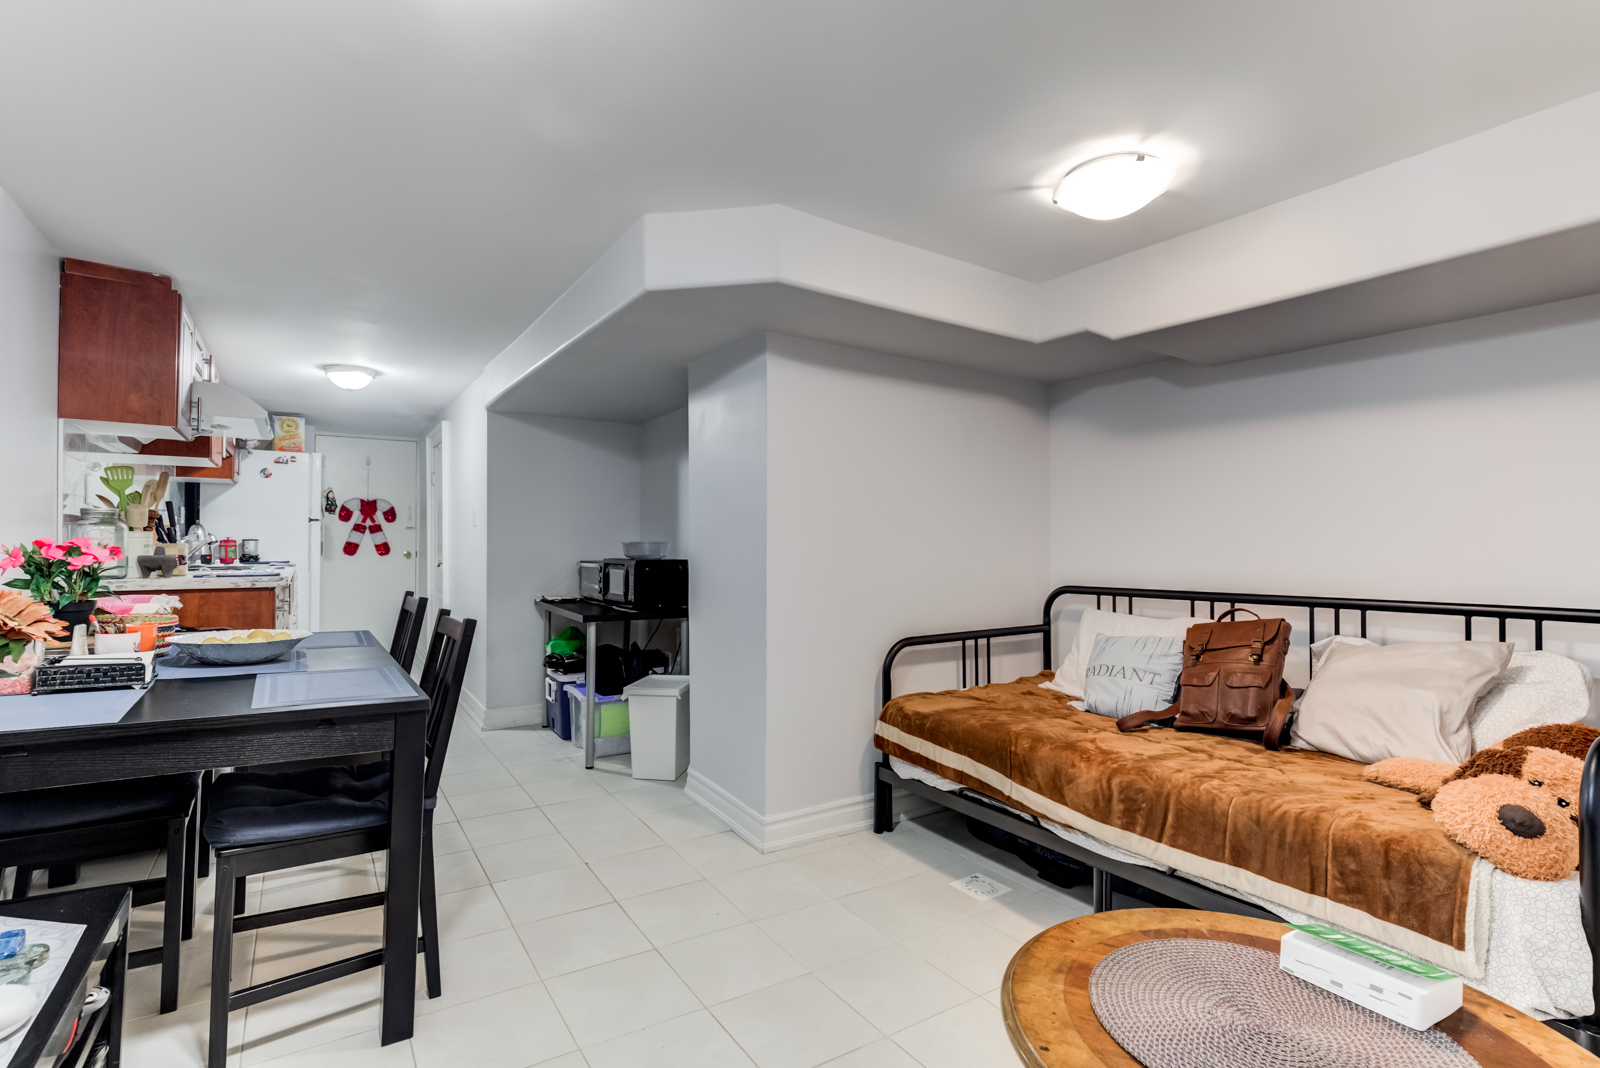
{"x":225,"y":471}
{"x":129,"y":354}
{"x":119,"y":349}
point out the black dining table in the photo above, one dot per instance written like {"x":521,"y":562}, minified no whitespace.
{"x":198,"y":724}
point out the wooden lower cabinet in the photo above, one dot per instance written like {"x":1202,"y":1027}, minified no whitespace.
{"x":236,"y":609}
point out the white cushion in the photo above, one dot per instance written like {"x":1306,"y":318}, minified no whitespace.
{"x":1535,"y":689}
{"x":1320,"y":650}
{"x":1069,"y":676}
{"x":1372,"y":702}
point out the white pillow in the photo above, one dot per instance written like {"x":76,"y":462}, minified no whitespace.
{"x":1069,"y":677}
{"x":1320,"y":650}
{"x":1372,"y":702}
{"x":1534,"y":689}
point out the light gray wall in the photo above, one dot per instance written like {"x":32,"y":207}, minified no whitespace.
{"x":903,"y":498}
{"x":1454,"y":463}
{"x":30,"y":288}
{"x":839,"y":500}
{"x":559,"y":491}
{"x":725,"y":531}
{"x":663,"y":479}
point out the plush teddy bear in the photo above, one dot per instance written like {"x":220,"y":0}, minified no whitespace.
{"x":1515,"y":804}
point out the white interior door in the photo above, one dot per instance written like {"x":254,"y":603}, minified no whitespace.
{"x":361,"y":589}
{"x":435,"y":489}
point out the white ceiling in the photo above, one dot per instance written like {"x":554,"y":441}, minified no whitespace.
{"x":409,"y":183}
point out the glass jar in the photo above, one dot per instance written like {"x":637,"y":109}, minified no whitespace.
{"x":106,"y":527}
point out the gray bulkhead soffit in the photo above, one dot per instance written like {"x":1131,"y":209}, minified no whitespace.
{"x":632,"y":366}
{"x":1540,"y":270}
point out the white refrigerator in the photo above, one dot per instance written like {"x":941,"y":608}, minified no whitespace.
{"x":277,"y":501}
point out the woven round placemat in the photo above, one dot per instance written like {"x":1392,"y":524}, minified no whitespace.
{"x":1201,"y":1003}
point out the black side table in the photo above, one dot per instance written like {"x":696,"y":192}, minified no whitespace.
{"x":55,"y":1038}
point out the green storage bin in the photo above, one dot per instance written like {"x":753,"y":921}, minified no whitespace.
{"x":613,"y":732}
{"x":613,"y":720}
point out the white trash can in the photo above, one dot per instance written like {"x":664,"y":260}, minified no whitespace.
{"x":658,"y":712}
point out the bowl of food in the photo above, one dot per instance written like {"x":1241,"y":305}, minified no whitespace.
{"x":237,"y":646}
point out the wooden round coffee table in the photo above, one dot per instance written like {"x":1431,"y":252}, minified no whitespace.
{"x":1045,"y":997}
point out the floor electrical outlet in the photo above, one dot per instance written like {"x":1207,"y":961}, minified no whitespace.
{"x":979,"y":887}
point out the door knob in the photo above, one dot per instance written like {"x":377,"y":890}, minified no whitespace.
{"x":406,"y":554}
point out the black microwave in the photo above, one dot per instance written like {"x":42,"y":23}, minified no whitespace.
{"x":646,"y":585}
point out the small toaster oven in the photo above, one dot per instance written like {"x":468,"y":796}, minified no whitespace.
{"x":591,"y":580}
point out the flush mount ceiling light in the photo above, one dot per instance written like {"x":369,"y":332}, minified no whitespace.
{"x":349,"y":376}
{"x":1109,"y":187}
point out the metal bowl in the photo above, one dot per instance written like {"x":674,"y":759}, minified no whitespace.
{"x":194,"y":645}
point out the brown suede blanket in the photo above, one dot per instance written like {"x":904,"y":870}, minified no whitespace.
{"x":1301,"y":829}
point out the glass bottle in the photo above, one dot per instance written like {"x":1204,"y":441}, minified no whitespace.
{"x":106,"y":527}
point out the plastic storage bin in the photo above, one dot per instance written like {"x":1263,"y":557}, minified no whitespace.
{"x":658,"y":709}
{"x":611,"y":737}
{"x":557,"y":708}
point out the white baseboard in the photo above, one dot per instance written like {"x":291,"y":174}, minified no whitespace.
{"x":473,"y":707}
{"x":770,"y":833}
{"x":743,"y":820}
{"x":498,"y":719}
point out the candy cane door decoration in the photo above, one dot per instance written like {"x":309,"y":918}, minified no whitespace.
{"x":368,"y":509}
{"x":369,"y":550}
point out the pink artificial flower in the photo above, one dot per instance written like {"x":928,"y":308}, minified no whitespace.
{"x":79,"y":562}
{"x":53,"y":552}
{"x":114,"y":551}
{"x":41,"y":543}
{"x":85,"y":543}
{"x":12,"y":559}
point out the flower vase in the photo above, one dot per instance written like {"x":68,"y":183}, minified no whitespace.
{"x":16,"y":676}
{"x":74,"y":612}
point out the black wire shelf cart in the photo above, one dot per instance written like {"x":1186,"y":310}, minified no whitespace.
{"x":589,"y":615}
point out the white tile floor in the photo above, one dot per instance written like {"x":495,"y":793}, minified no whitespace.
{"x":589,"y":920}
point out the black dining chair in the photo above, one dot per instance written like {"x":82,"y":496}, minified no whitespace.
{"x":407,"y":629}
{"x":403,"y":647}
{"x":65,"y":825}
{"x":262,"y":821}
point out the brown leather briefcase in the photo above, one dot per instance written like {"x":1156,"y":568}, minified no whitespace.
{"x":1232,"y":680}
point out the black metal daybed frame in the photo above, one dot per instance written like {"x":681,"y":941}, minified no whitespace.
{"x":1585,"y":1031}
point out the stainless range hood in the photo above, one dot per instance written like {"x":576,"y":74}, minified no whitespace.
{"x":220,"y":409}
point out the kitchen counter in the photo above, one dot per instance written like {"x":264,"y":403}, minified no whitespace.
{"x":200,"y":582}
{"x":220,"y":599}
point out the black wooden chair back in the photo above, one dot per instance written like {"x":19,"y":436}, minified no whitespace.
{"x":407,"y":629}
{"x":448,"y":652}
{"x":430,"y":661}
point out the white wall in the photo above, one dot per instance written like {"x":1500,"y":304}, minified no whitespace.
{"x":559,"y":491}
{"x":663,"y":479}
{"x":725,"y":529}
{"x":1454,"y":463}
{"x":868,"y":497}
{"x":30,"y":285}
